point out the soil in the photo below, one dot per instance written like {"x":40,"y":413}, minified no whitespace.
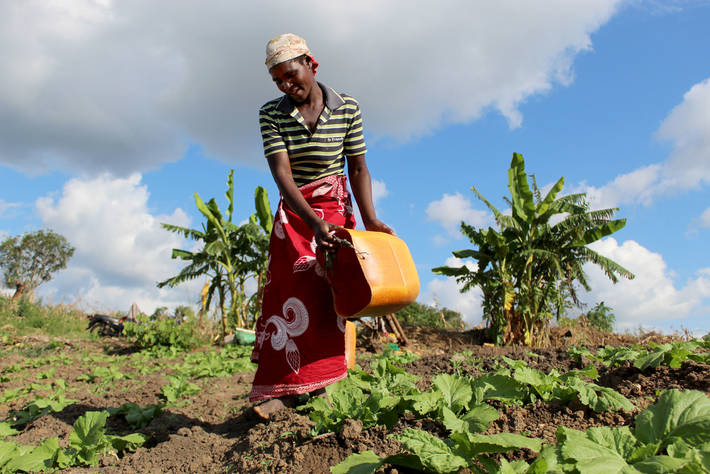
{"x":216,"y":430}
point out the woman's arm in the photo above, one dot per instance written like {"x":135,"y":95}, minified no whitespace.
{"x":281,"y":171}
{"x":361,"y":183}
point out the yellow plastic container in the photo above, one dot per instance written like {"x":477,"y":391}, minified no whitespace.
{"x":375,"y":277}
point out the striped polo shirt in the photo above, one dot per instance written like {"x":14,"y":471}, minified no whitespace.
{"x":318,"y":154}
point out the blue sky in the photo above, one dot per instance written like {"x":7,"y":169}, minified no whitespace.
{"x":114,"y":114}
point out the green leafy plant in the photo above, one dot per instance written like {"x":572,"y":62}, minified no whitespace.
{"x":6,"y":430}
{"x":178,"y":387}
{"x":528,"y":267}
{"x":347,"y":400}
{"x":230,"y":255}
{"x":224,"y":363}
{"x":601,"y":317}
{"x":136,"y":416}
{"x":668,"y":354}
{"x":105,"y":374}
{"x":672,"y":435}
{"x":87,"y":441}
{"x":427,"y":453}
{"x":39,"y":407}
{"x":148,"y":333}
{"x":15,"y":457}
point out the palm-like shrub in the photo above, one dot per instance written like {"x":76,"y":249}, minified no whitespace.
{"x":528,"y":267}
{"x":229,"y":256}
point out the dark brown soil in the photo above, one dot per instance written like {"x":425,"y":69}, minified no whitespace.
{"x":216,"y":431}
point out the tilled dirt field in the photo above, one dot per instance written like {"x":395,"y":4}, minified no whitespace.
{"x":215,"y":429}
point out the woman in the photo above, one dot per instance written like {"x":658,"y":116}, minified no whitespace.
{"x":309,"y":134}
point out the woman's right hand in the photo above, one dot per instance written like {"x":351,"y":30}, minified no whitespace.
{"x":323,"y":232}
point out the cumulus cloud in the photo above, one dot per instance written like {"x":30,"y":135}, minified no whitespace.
{"x":93,"y":86}
{"x":121,"y":250}
{"x":704,"y":219}
{"x":7,"y":206}
{"x":445,"y":292}
{"x":636,"y":187}
{"x":379,"y":191}
{"x":652,"y":298}
{"x":451,"y":209}
{"x":687,"y":127}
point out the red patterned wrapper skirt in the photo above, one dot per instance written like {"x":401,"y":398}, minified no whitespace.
{"x":300,"y":340}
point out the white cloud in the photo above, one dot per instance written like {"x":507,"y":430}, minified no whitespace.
{"x":6,"y":206}
{"x":121,"y":250}
{"x":687,"y":126}
{"x":704,"y":219}
{"x":93,"y":86}
{"x":652,"y":298}
{"x":636,"y":187}
{"x":451,"y":209}
{"x":379,"y":191}
{"x":444,"y":292}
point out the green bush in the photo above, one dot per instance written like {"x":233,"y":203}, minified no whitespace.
{"x":166,"y":332}
{"x":601,"y":317}
{"x":417,"y":314}
{"x":33,"y":317}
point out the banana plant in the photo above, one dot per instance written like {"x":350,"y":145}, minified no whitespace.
{"x":230,"y":255}
{"x":528,"y":267}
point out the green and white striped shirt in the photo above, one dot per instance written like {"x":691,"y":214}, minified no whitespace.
{"x":318,"y":154}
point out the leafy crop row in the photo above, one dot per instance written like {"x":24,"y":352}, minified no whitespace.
{"x":87,"y":441}
{"x":669,"y":354}
{"x":382,"y":396}
{"x":671,"y":436}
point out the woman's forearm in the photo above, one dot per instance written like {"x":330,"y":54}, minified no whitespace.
{"x":361,"y":183}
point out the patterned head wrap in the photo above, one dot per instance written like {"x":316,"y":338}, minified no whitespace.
{"x":285,"y":47}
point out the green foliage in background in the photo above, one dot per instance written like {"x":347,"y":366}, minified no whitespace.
{"x":32,"y":259}
{"x":24,"y":316}
{"x":601,"y":317}
{"x":231,"y":254}
{"x":528,"y":267}
{"x":147,"y":333}
{"x":417,"y":314}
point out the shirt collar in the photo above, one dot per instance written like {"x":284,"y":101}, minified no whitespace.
{"x":332,"y":100}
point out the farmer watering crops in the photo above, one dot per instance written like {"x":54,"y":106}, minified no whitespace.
{"x":309,"y":134}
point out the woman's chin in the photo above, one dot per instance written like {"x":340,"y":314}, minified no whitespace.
{"x":298,"y":97}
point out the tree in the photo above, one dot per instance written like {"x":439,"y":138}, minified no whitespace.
{"x":230,"y":254}
{"x":32,"y":259}
{"x":601,"y":316}
{"x":417,"y":314}
{"x":529,"y":267}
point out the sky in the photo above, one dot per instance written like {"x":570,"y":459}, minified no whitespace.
{"x":113,"y":114}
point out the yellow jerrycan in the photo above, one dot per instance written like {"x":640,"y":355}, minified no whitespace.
{"x":370,"y":273}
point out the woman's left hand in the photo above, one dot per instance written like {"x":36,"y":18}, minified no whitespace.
{"x":377,"y":225}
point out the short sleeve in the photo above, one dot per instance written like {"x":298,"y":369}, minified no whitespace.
{"x":354,"y":143}
{"x":271,"y":138}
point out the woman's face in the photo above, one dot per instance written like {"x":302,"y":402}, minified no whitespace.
{"x":294,"y":78}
